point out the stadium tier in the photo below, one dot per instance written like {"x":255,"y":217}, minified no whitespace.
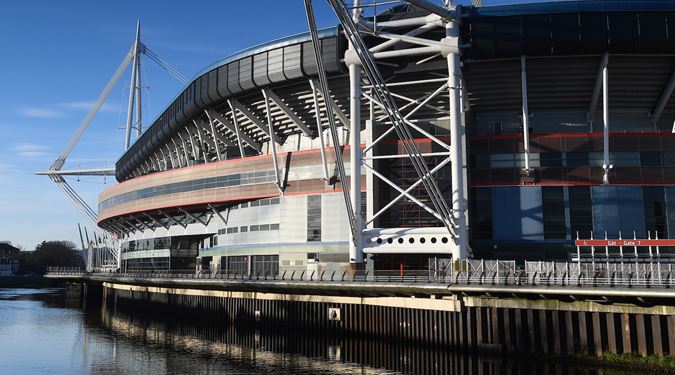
{"x":566,"y":132}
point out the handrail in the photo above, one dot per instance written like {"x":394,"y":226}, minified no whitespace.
{"x":563,"y":275}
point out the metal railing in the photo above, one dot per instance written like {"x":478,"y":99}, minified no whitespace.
{"x":560,"y":274}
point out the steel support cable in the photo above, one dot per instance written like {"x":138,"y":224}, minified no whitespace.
{"x":168,"y":67}
{"x":323,"y":81}
{"x":75,"y":203}
{"x":90,"y":212}
{"x":86,"y":211}
{"x":80,"y":207}
{"x":164,"y":64}
{"x":92,"y":222}
{"x":380,"y":90}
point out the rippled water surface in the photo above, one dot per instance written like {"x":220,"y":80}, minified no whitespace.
{"x":42,"y":331}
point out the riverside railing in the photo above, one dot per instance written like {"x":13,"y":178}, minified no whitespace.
{"x":466,"y":272}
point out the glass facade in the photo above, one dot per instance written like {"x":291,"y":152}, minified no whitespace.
{"x":553,"y":204}
{"x":238,"y":264}
{"x":265,"y":264}
{"x":163,"y":243}
{"x":536,"y":213}
{"x":191,"y":185}
{"x":314,"y":218}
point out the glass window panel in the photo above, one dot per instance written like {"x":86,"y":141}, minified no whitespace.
{"x":650,"y":159}
{"x":576,"y":159}
{"x":625,"y":159}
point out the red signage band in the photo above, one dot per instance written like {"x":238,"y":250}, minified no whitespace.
{"x":624,"y":242}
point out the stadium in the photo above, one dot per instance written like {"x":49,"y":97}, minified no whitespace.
{"x":501,"y":132}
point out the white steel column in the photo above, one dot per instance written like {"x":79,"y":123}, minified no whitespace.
{"x":132,"y":89}
{"x":526,"y":113}
{"x":370,"y":182}
{"x":605,"y":120}
{"x":459,"y":246}
{"x":354,"y":64}
{"x":139,"y":117}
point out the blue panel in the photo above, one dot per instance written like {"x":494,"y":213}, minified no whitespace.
{"x":505,"y":201}
{"x":517,"y":213}
{"x":531,"y":213}
{"x":618,"y":208}
{"x":670,"y":210}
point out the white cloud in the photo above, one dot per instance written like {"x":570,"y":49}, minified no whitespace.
{"x":30,"y":150}
{"x":86,"y":106}
{"x":40,"y":112}
{"x":7,"y":169}
{"x":61,"y":110}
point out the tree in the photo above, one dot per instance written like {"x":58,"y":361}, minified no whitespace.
{"x":51,"y":254}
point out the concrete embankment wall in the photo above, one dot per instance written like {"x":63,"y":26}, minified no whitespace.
{"x":466,"y":323}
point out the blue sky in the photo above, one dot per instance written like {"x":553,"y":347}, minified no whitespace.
{"x":57,"y":57}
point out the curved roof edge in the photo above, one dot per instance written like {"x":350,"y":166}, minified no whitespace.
{"x":571,"y":7}
{"x":266,"y":46}
{"x":262,"y":47}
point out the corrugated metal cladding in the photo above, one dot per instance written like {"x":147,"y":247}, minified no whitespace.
{"x":273,"y":66}
{"x":569,"y":33}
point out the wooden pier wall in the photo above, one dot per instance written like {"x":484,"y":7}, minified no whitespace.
{"x":465,"y":323}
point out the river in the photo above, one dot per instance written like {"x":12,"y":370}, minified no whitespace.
{"x":45,"y":331}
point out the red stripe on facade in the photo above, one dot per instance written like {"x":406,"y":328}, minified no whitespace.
{"x":200,"y":203}
{"x":580,"y":183}
{"x":224,"y":162}
{"x":568,"y":135}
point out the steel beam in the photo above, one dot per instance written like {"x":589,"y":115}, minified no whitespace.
{"x":605,"y":119}
{"x":354,"y":65}
{"x":663,"y":100}
{"x":157,"y":222}
{"x":417,"y":31}
{"x":213,"y":134}
{"x":407,"y":195}
{"x":185,"y":149}
{"x":143,"y":223}
{"x":254,"y":119}
{"x":319,"y":128}
{"x":595,"y":97}
{"x":215,"y":211}
{"x":177,"y":152}
{"x":201,"y":140}
{"x":288,"y":112}
{"x":273,"y":145}
{"x":460,"y":243}
{"x":132,"y":88}
{"x":525,"y":112}
{"x":340,"y":115}
{"x":172,"y":219}
{"x":193,"y":217}
{"x":434,"y":8}
{"x":235,"y":129}
{"x":235,"y":124}
{"x":191,"y":138}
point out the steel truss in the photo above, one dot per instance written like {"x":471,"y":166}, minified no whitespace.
{"x":398,"y":39}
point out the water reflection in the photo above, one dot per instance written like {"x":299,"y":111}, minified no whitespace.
{"x":43,"y":331}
